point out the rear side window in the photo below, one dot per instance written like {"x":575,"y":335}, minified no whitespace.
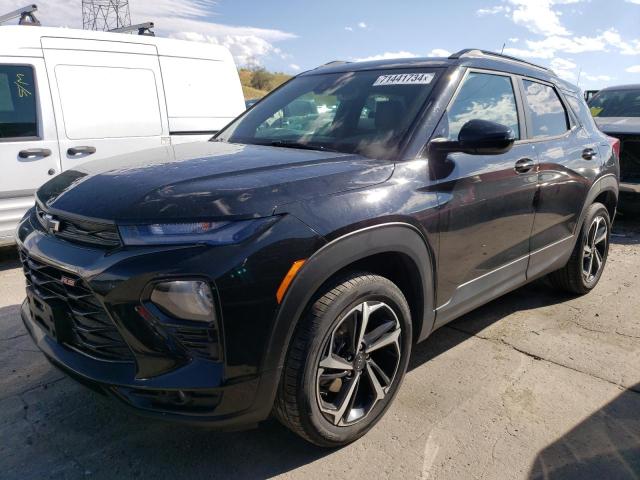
{"x":581,"y":110}
{"x":108,"y":102}
{"x":18,"y":117}
{"x":547,"y":114}
{"x":483,"y":96}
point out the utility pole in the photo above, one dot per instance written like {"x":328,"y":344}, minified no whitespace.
{"x":105,"y":15}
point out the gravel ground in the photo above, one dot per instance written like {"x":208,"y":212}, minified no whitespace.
{"x":536,"y":384}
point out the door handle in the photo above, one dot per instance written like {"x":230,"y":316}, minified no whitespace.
{"x":524,"y":165}
{"x":75,"y":151}
{"x":588,"y":153}
{"x":34,"y":153}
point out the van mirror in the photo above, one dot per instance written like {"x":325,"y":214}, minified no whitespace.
{"x":478,"y":137}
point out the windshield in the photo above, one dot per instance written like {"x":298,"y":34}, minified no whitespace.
{"x":616,"y":103}
{"x":366,"y":112}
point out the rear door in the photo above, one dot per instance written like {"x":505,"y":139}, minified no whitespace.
{"x":486,"y":201}
{"x":29,"y":154}
{"x":569,"y":160}
{"x":108,"y":97}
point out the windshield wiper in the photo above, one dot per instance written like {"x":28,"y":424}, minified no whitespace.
{"x":300,"y":145}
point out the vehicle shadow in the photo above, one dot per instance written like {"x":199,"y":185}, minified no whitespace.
{"x":8,"y":258}
{"x":605,"y":445}
{"x":626,"y":230}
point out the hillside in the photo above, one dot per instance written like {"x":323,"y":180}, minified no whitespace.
{"x":253,"y":78}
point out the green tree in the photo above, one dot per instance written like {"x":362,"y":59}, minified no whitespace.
{"x":261,"y":79}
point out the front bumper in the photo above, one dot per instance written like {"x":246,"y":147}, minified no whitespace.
{"x":193,"y":394}
{"x":162,"y":377}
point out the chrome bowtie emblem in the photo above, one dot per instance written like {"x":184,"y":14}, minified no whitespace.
{"x":50,"y":223}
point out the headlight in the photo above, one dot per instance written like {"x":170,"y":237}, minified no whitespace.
{"x":212,"y":233}
{"x":185,"y":300}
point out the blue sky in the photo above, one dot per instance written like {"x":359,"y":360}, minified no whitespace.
{"x":597,"y":40}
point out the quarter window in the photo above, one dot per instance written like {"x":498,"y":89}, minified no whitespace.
{"x":18,"y":118}
{"x":486,"y":97}
{"x":548,"y":115}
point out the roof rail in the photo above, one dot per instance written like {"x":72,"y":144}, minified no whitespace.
{"x":477,"y":51}
{"x":142,"y":28}
{"x":26,"y":16}
{"x":334,"y":62}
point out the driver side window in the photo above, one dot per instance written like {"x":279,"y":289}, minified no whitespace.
{"x":486,"y":97}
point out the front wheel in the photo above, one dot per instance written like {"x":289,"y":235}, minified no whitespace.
{"x":346,"y":361}
{"x":584,"y":269}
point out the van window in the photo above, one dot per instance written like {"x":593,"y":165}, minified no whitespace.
{"x":108,"y":102}
{"x":18,"y":117}
{"x":486,"y":97}
{"x":548,"y":116}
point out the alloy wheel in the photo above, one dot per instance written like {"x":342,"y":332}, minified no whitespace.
{"x":359,"y":363}
{"x":595,"y":249}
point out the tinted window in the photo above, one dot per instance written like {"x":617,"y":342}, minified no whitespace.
{"x":548,"y":116}
{"x":17,"y":102}
{"x":486,"y":97}
{"x":581,"y":110}
{"x":616,"y":103}
{"x":365,"y":112}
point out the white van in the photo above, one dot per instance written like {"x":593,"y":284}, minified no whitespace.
{"x":70,"y":96}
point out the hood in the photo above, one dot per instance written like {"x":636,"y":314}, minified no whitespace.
{"x":205,"y":180}
{"x":619,"y":124}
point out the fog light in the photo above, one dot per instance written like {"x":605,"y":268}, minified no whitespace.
{"x":185,"y":299}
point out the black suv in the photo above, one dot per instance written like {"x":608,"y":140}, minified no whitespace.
{"x":290,"y":264}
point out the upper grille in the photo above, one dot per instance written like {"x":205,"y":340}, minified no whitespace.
{"x":629,"y":157}
{"x":91,"y":330}
{"x":80,"y":231}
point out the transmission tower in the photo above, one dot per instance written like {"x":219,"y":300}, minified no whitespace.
{"x":105,"y":14}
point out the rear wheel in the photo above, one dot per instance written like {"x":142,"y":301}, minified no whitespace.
{"x":584,"y":269}
{"x":346,"y":361}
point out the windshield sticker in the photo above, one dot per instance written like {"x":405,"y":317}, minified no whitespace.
{"x":404,"y":79}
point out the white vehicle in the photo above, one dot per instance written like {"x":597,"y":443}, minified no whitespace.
{"x":70,"y":96}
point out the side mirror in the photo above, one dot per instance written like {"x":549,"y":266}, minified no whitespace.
{"x":478,"y":137}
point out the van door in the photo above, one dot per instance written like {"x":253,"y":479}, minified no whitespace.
{"x":29,"y":154}
{"x":108,"y":97}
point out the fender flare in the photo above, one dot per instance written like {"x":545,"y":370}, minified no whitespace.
{"x":606,"y":183}
{"x":323,"y":264}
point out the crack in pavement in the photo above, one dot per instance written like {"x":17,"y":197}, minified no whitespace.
{"x":35,"y":387}
{"x":13,"y":338}
{"x":537,"y":357}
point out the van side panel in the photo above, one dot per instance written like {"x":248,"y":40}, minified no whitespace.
{"x":108,"y":101}
{"x":202,"y":95}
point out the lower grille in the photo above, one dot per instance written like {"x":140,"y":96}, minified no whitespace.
{"x":202,"y":341}
{"x":86,"y":327}
{"x":629,"y":157}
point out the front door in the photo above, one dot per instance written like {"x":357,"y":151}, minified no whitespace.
{"x":29,"y":154}
{"x":486,"y":201}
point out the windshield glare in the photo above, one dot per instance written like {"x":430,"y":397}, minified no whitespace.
{"x":616,"y":103}
{"x":367,"y":112}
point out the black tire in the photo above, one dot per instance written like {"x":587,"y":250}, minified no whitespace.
{"x":571,"y":277}
{"x":299,"y":399}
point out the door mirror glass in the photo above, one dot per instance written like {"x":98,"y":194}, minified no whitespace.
{"x":478,"y":137}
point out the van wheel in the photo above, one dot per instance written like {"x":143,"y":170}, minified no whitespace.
{"x":346,"y":361}
{"x":584,"y":269}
